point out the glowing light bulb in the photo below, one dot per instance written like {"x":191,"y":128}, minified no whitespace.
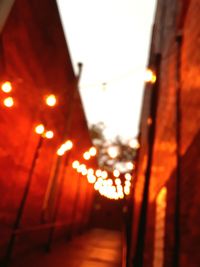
{"x":68,"y":145}
{"x":39,"y":129}
{"x":104,"y":174}
{"x":127,"y":183}
{"x":84,"y":172}
{"x":110,"y":182}
{"x":51,"y":100}
{"x":150,"y":76}
{"x":134,"y":144}
{"x":90,"y":171}
{"x":75,"y":164}
{"x":6,"y":87}
{"x":93,"y":151}
{"x":113,"y":152}
{"x":116,"y":173}
{"x":126,"y":190}
{"x":130,"y":165}
{"x":49,"y":134}
{"x":98,"y":173}
{"x":60,"y":152}
{"x":97,"y":186}
{"x":91,"y":178}
{"x":117,"y":181}
{"x":128,"y":176}
{"x":86,"y":155}
{"x":8,"y":102}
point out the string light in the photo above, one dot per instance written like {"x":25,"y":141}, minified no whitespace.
{"x":99,"y":178}
{"x":150,"y":76}
{"x":60,"y":152}
{"x":98,"y":173}
{"x":39,"y":129}
{"x":93,"y":151}
{"x":6,"y":87}
{"x":91,"y":178}
{"x":104,"y":174}
{"x":128,"y":176}
{"x":116,"y":173}
{"x":130,"y":165}
{"x":113,"y":152}
{"x":51,"y":100}
{"x":86,"y":155}
{"x":118,"y":181}
{"x":134,"y":143}
{"x":49,"y":134}
{"x":8,"y":102}
{"x":75,"y":164}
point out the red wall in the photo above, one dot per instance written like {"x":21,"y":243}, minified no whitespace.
{"x":164,"y":167}
{"x":37,"y":62}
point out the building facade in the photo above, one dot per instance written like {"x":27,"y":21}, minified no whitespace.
{"x":56,"y":200}
{"x":165,"y":230}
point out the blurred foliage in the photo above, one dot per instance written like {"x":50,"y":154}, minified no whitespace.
{"x":125,"y":152}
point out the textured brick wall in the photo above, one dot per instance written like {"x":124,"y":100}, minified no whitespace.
{"x":163,"y":171}
{"x":37,"y":62}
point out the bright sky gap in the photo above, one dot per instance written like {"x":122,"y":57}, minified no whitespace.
{"x":111,"y":38}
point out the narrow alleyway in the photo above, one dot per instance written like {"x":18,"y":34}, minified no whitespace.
{"x":96,"y":248}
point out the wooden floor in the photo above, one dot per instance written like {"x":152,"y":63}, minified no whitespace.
{"x":96,"y":248}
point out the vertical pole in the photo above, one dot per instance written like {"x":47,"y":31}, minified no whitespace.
{"x":85,"y":207}
{"x":49,"y":199}
{"x":178,"y":154}
{"x":75,"y":206}
{"x":139,"y":254}
{"x":22,"y":203}
{"x":57,"y":205}
{"x":67,"y":130}
{"x":131,"y":210}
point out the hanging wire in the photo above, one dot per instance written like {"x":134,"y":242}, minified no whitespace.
{"x":117,"y":79}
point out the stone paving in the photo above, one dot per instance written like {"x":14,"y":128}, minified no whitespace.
{"x":96,"y":248}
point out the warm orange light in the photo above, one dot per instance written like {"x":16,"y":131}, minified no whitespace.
{"x":86,"y":155}
{"x":8,"y":102}
{"x":98,"y":173}
{"x":91,"y":178}
{"x":127,"y":183}
{"x":51,"y":100}
{"x":93,"y":151}
{"x":49,"y":134}
{"x":161,"y":198}
{"x":75,"y":164}
{"x":60,"y":152}
{"x":113,"y":152}
{"x":128,"y":176}
{"x":149,"y":121}
{"x":97,"y":185}
{"x":119,"y":188}
{"x":150,"y":76}
{"x":81,"y":168}
{"x":104,"y":174}
{"x":84,"y":172}
{"x":90,"y":171}
{"x":6,"y":87}
{"x":116,"y":173}
{"x":134,"y":144}
{"x":100,"y":180}
{"x":110,"y":182}
{"x":117,"y":181}
{"x":130,"y":165}
{"x":126,"y":190}
{"x":39,"y":129}
{"x":68,"y":145}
